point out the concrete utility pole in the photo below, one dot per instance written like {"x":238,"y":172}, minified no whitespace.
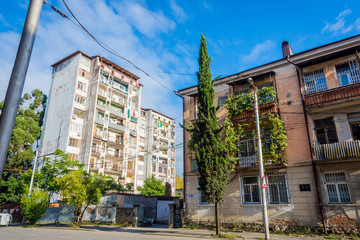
{"x":33,"y":171}
{"x":17,"y":79}
{"x":262,"y":177}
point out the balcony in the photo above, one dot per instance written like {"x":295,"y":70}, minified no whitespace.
{"x":340,"y":150}
{"x":248,"y":114}
{"x":253,"y":161}
{"x":334,"y":95}
{"x":117,"y":113}
{"x":117,"y":126}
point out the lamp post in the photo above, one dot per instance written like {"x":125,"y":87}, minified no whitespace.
{"x":261,"y":166}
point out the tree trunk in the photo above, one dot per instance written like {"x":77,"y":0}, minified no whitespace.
{"x":217,"y":218}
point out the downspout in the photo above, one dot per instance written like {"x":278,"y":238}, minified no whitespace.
{"x":309,"y":141}
{"x":184,"y":175}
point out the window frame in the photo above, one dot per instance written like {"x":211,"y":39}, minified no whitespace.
{"x":269,"y":195}
{"x":337,"y":183}
{"x":200,"y":197}
{"x":315,"y":77}
{"x":243,"y":190}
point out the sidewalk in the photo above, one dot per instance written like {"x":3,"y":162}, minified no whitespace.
{"x":163,"y":230}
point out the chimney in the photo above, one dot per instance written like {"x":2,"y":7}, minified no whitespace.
{"x":286,"y":49}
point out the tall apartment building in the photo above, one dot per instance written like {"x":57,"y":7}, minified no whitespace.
{"x":317,"y":178}
{"x":93,"y":114}
{"x":157,"y":146}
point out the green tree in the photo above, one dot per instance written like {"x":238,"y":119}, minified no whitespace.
{"x":34,"y":207}
{"x":152,"y":187}
{"x":179,"y":182}
{"x":81,"y":189}
{"x":213,"y":144}
{"x":27,"y":129}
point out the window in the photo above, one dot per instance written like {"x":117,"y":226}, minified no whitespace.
{"x":80,"y":99}
{"x":73,"y":157}
{"x":201,"y":197}
{"x":239,"y":91}
{"x":277,"y":188}
{"x":325,"y":131}
{"x":81,"y":86}
{"x":222,"y":100}
{"x":337,"y":188}
{"x":315,"y":81}
{"x":92,"y":162}
{"x":348,"y":73}
{"x":77,"y":113}
{"x":247,"y":150}
{"x":82,"y":72}
{"x":73,"y":142}
{"x":154,"y":168}
{"x":76,"y":127}
{"x":354,"y":121}
{"x":251,"y":190}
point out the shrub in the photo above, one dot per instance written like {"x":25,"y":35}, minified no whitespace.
{"x":34,"y":207}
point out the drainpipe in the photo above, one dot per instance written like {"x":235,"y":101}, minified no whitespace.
{"x":298,"y":70}
{"x":184,"y":175}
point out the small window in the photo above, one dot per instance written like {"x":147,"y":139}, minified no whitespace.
{"x":81,"y":86}
{"x":201,"y":197}
{"x":251,"y":190}
{"x":77,"y":113}
{"x":354,"y":121}
{"x":73,"y":157}
{"x":348,"y":73}
{"x":222,"y":100}
{"x":315,"y":81}
{"x":337,"y":188}
{"x":73,"y":142}
{"x":80,"y":99}
{"x":277,"y":191}
{"x":325,"y":131}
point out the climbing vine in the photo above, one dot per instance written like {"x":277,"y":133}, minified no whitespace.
{"x":273,"y":133}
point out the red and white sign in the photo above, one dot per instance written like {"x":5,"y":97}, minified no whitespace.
{"x":264,"y":183}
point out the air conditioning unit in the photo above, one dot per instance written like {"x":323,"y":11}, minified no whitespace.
{"x":74,"y":116}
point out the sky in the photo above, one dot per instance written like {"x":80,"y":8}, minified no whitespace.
{"x":162,"y":38}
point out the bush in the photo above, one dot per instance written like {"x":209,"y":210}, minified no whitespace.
{"x":34,"y":207}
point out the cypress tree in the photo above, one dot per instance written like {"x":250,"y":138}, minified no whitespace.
{"x":211,"y":152}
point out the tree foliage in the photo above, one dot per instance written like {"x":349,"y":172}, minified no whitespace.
{"x":179,"y":182}
{"x":212,"y":144}
{"x":152,"y":187}
{"x":27,"y":129}
{"x":34,"y":207}
{"x":81,"y":189}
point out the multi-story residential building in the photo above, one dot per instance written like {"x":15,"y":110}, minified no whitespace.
{"x":93,"y":114}
{"x":157,"y":146}
{"x":316,"y":179}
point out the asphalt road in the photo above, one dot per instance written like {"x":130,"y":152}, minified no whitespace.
{"x":20,"y":233}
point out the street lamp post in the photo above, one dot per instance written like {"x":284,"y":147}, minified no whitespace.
{"x":261,"y":166}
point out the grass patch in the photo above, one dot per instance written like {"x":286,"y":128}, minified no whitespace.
{"x":331,"y":237}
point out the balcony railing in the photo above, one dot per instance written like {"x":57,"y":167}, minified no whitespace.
{"x":252,"y":160}
{"x":267,"y":108}
{"x":338,"y":150}
{"x":333,"y":95}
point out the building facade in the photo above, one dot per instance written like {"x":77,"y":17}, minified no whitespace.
{"x":157,"y":149}
{"x":316,"y":179}
{"x":93,"y":114}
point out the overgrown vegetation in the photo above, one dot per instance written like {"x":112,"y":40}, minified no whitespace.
{"x":34,"y":206}
{"x":152,"y":187}
{"x":273,"y":133}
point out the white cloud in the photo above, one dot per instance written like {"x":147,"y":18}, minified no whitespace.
{"x":180,"y":14}
{"x":339,"y":26}
{"x":260,"y":52}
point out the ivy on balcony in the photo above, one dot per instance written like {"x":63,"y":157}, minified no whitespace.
{"x":273,"y":130}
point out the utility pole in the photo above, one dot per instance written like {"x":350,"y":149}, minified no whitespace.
{"x":17,"y":79}
{"x":261,"y":166}
{"x":33,"y":171}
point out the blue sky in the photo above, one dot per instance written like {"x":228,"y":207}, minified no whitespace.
{"x":162,"y":37}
